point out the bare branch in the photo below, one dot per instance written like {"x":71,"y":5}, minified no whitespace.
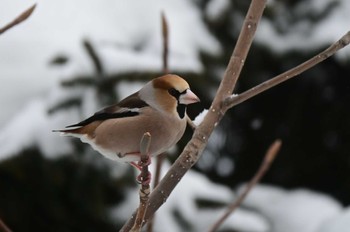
{"x":165,"y":36}
{"x":4,"y":227}
{"x":165,"y":56}
{"x":196,"y":145}
{"x":265,"y":165}
{"x":94,"y":57}
{"x":145,"y":187}
{"x":331,"y":50}
{"x":19,"y":19}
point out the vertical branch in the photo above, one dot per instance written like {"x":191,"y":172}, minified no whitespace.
{"x":160,"y":158}
{"x":91,"y":51}
{"x":165,"y":36}
{"x":145,"y":188}
{"x":265,"y":165}
{"x":22,"y":17}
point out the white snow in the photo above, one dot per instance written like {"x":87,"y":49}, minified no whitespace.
{"x":127,"y":36}
{"x":304,"y":36}
{"x":289,"y":211}
{"x":266,"y":209}
{"x":193,"y":187}
{"x":339,"y":223}
{"x":216,"y":8}
{"x":32,"y":127}
{"x":200,"y":117}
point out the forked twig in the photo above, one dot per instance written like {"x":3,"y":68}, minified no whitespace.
{"x":18,"y":19}
{"x":145,"y":187}
{"x":265,"y":165}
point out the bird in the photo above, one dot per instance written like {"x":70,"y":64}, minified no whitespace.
{"x":158,"y":108}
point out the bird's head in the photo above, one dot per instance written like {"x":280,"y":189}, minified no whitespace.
{"x":169,"y":93}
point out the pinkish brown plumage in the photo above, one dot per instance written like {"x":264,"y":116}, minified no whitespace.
{"x":158,"y":108}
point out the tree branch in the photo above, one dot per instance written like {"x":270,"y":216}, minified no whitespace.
{"x":331,"y":50}
{"x":145,"y":187}
{"x":165,"y":36}
{"x":165,"y":58}
{"x":265,"y":165}
{"x":196,"y":145}
{"x":4,"y":227}
{"x":19,"y":19}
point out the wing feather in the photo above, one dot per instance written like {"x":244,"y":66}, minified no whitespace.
{"x":128,"y":107}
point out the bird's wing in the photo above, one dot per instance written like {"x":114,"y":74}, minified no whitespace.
{"x":128,"y":107}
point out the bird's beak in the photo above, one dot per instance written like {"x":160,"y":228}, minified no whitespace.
{"x":188,"y":98}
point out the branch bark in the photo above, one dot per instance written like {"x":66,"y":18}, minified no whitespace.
{"x":18,"y":19}
{"x":165,"y":58}
{"x":4,"y":227}
{"x":145,"y":187}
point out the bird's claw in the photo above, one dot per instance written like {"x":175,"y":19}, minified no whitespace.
{"x":144,"y":181}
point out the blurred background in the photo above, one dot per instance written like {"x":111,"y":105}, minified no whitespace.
{"x":71,"y":58}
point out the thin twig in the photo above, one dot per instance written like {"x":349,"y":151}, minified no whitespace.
{"x":165,"y":37}
{"x":331,"y":50}
{"x":19,"y":19}
{"x":94,"y":57}
{"x":145,"y":187}
{"x":4,"y":227}
{"x":265,"y":165}
{"x":196,"y":145}
{"x":165,"y":58}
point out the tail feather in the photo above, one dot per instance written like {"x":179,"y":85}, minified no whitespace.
{"x":69,"y":131}
{"x":80,"y":130}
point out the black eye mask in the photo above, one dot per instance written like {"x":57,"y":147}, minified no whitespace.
{"x":181,"y":108}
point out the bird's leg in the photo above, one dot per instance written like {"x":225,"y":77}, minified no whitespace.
{"x":140,"y":178}
{"x":136,"y":165}
{"x":144,"y":181}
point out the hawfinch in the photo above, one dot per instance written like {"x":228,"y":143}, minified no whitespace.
{"x":158,"y":108}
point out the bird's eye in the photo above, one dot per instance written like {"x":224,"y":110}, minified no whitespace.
{"x":173,"y":92}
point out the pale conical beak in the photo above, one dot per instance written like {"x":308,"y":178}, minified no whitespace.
{"x":188,"y":98}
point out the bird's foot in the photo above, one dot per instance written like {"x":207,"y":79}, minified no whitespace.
{"x":139,"y":164}
{"x":142,"y":179}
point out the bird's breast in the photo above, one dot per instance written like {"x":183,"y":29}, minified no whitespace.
{"x":123,"y":135}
